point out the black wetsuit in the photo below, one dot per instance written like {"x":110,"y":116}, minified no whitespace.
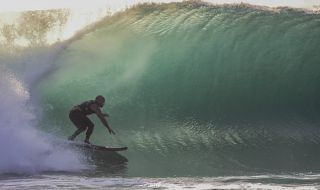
{"x":78,"y":116}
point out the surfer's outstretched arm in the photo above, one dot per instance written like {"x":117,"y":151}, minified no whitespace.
{"x":102,"y":117}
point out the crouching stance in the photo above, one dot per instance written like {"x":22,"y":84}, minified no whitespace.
{"x":78,"y":116}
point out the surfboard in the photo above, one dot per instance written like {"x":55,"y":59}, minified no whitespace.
{"x":100,"y":148}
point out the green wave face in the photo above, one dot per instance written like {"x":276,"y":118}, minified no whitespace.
{"x":179,"y":77}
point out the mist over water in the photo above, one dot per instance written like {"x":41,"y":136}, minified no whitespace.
{"x":24,"y":149}
{"x":192,"y":89}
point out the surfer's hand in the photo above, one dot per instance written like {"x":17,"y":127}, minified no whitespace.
{"x":111,"y":131}
{"x":106,"y":115}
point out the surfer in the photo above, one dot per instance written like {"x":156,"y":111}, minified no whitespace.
{"x":78,"y":116}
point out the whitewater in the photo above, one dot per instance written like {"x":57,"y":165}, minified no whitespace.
{"x":205,"y":96}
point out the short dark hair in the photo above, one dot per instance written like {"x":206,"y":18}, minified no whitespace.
{"x":101,"y":98}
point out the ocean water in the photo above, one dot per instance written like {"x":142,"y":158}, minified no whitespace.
{"x":205,"y":97}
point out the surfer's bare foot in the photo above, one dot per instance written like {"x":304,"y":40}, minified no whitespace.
{"x":87,"y":142}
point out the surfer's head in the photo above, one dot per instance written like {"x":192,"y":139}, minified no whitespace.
{"x":100,"y":101}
